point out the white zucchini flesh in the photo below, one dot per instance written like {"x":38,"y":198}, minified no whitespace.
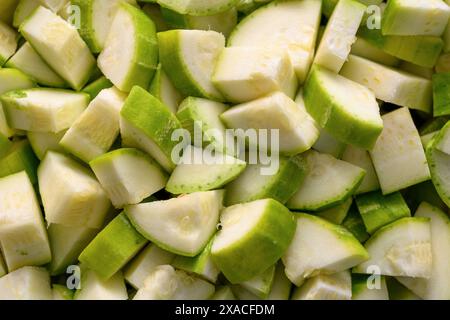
{"x":95,"y":130}
{"x":8,"y":43}
{"x":336,"y":286}
{"x":163,"y":89}
{"x":281,"y":287}
{"x":402,"y":248}
{"x":292,"y":25}
{"x":339,"y":34}
{"x":182,"y":225}
{"x":320,"y":247}
{"x":128,"y":176}
{"x":60,"y":45}
{"x":261,"y":285}
{"x":363,"y":48}
{"x":437,"y":287}
{"x":144,"y":263}
{"x":272,"y":112}
{"x":326,"y":143}
{"x":315,"y":192}
{"x":243,"y":74}
{"x":390,"y":85}
{"x":398,"y":155}
{"x":197,"y":7}
{"x":70,"y":193}
{"x":41,"y":142}
{"x":23,"y":237}
{"x":27,"y":283}
{"x":94,"y":288}
{"x":43,"y":109}
{"x":166,"y":283}
{"x":27,"y":60}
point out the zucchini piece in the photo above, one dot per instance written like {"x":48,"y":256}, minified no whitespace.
{"x":27,"y":283}
{"x":253,"y":237}
{"x":402,"y":248}
{"x":197,"y":7}
{"x":260,"y":285}
{"x":354,"y":223}
{"x":94,"y":287}
{"x":60,"y":45}
{"x":420,"y":50}
{"x":339,"y":35}
{"x":128,"y":176}
{"x":315,"y":193}
{"x":223,"y":22}
{"x":212,"y":172}
{"x":223,"y":293}
{"x":42,"y":109}
{"x":78,"y":201}
{"x":354,"y":120}
{"x":27,"y":60}
{"x":377,"y":210}
{"x":253,"y":184}
{"x":199,"y":115}
{"x":8,"y":45}
{"x":441,"y":95}
{"x":94,"y":88}
{"x":339,"y":249}
{"x":67,"y":243}
{"x":399,"y":292}
{"x":329,"y":5}
{"x":390,"y":85}
{"x":130,"y":58}
{"x":147,"y":124}
{"x":272,"y":112}
{"x":96,"y":20}
{"x":188,"y":57}
{"x":243,"y":294}
{"x":337,"y":213}
{"x":426,"y":139}
{"x":361,"y":290}
{"x":162,"y":88}
{"x":281,"y":286}
{"x":23,"y":236}
{"x":95,"y":130}
{"x":200,"y":265}
{"x":326,"y":143}
{"x":289,"y":25}
{"x":361,"y":158}
{"x":112,"y":248}
{"x":144,"y":263}
{"x":41,"y":142}
{"x":437,"y":287}
{"x":60,"y":292}
{"x":244,"y":74}
{"x":424,"y":72}
{"x":365,"y":49}
{"x":20,"y":157}
{"x":412,"y":18}
{"x":13,"y":79}
{"x":24,"y":9}
{"x":433,"y":125}
{"x":336,"y":286}
{"x":182,"y":225}
{"x":398,"y":156}
{"x":164,"y":283}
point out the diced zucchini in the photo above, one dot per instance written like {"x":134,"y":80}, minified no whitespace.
{"x":41,"y":142}
{"x":415,"y":17}
{"x":336,"y":286}
{"x":70,"y":194}
{"x":164,"y":283}
{"x":253,"y":237}
{"x":290,"y":25}
{"x":27,"y":283}
{"x":189,"y":57}
{"x":339,"y":249}
{"x":315,"y":193}
{"x":424,"y":72}
{"x":95,"y":130}
{"x":42,"y":109}
{"x":23,"y":236}
{"x":398,"y":156}
{"x":390,"y":85}
{"x":8,"y":45}
{"x":261,"y":285}
{"x":402,"y":248}
{"x":362,"y":291}
{"x":244,"y":74}
{"x":197,"y":7}
{"x":364,"y":48}
{"x":182,"y":225}
{"x":112,"y":248}
{"x":377,"y":210}
{"x":19,"y":157}
{"x":94,"y":88}
{"x":337,"y":213}
{"x":326,"y":143}
{"x":147,"y":124}
{"x":253,"y":184}
{"x":354,"y":223}
{"x":129,"y":58}
{"x":60,"y":45}
{"x":281,"y":287}
{"x":23,"y":10}
{"x":94,"y":287}
{"x":339,"y":34}
{"x":441,"y":95}
{"x":162,"y":88}
{"x":144,"y":263}
{"x":13,"y":79}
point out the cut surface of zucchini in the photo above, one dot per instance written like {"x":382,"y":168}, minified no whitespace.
{"x":94,"y":287}
{"x":27,"y":283}
{"x":336,"y":286}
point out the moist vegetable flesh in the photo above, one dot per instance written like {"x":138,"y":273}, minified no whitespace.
{"x":224,"y":149}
